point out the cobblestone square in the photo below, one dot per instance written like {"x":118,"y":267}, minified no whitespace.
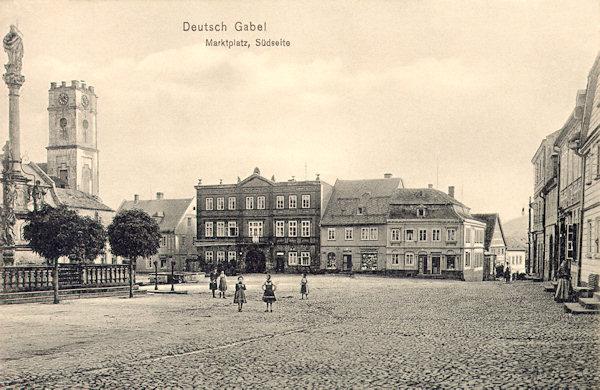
{"x":352,"y":332}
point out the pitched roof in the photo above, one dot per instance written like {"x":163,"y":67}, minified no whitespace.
{"x":490,"y":225}
{"x":372,"y":195}
{"x":516,"y":244}
{"x":438,"y":205}
{"x":80,"y":200}
{"x":168,"y":212}
{"x":422,"y":196}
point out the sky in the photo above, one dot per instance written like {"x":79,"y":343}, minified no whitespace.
{"x":456,"y":93}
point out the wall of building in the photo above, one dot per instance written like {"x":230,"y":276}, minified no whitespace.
{"x":516,"y":260}
{"x":278,"y":250}
{"x":366,"y":255}
{"x":447,"y":250}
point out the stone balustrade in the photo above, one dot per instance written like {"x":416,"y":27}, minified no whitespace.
{"x":39,"y":278}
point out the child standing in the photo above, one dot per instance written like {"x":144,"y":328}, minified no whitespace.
{"x":304,"y":286}
{"x":213,"y":282}
{"x":222,"y":284}
{"x":240,"y":293}
{"x":269,"y":293}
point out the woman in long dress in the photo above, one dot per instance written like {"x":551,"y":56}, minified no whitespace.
{"x":213,"y":282}
{"x":269,"y":293}
{"x":304,"y":286}
{"x":562,"y":288}
{"x":240,"y":293}
{"x":222,"y":284}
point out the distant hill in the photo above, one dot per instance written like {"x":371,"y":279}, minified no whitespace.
{"x":515,"y":232}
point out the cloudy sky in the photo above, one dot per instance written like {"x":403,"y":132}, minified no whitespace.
{"x":448,"y":93}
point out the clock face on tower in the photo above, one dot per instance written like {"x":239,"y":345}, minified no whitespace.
{"x":63,"y":99}
{"x":85,"y":101}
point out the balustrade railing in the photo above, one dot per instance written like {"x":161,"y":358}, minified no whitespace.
{"x":38,"y":278}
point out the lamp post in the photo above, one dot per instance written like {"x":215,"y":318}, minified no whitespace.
{"x":155,"y":274}
{"x":172,"y":276}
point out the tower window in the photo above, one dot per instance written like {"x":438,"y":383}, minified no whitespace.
{"x":63,"y":174}
{"x":85,"y":130}
{"x":63,"y":126}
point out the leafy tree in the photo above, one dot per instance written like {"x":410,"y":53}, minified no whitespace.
{"x":53,"y":233}
{"x":132,"y":234}
{"x":91,"y":241}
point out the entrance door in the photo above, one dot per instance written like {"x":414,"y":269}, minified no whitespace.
{"x":347,"y":263}
{"x":423,"y":264}
{"x":280,"y":262}
{"x":435,"y":265}
{"x":255,"y":261}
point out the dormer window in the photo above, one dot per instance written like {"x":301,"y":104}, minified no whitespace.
{"x":420,"y":211}
{"x":360,"y":211}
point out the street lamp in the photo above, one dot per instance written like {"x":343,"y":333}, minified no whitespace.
{"x":156,"y":274}
{"x":172,"y":276}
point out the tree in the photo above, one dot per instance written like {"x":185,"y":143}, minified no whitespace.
{"x":132,"y":234}
{"x":53,"y":233}
{"x":91,"y":241}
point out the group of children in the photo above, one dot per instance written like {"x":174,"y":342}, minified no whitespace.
{"x":220,"y":283}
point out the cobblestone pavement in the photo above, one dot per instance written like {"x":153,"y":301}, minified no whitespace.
{"x":360,"y":332}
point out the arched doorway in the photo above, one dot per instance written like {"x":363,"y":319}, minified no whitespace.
{"x":255,"y":261}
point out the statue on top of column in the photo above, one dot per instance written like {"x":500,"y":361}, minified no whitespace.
{"x":13,"y":46}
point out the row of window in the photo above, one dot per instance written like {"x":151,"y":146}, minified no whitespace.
{"x":477,"y":259}
{"x":409,"y":260}
{"x":294,"y":258}
{"x":515,"y":260}
{"x":396,"y":234}
{"x":478,"y":236}
{"x":366,"y":234}
{"x":421,"y":234}
{"x":255,"y":228}
{"x":259,"y":202}
{"x":175,"y":242}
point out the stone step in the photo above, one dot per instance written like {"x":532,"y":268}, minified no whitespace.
{"x":581,"y":291}
{"x":576,"y":308}
{"x":48,"y":296}
{"x":549,"y":287}
{"x":590,"y":303}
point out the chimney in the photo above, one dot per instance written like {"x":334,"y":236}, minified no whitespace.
{"x":451,"y":191}
{"x":429,"y":185}
{"x":160,"y":195}
{"x":136,"y":198}
{"x":387,"y":175}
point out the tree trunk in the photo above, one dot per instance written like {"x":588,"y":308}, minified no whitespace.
{"x":130,"y":278}
{"x":55,"y":280}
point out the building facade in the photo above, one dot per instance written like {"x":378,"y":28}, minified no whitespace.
{"x":259,"y":225}
{"x":176,"y":219}
{"x":431,"y":233}
{"x":354,"y":225}
{"x":568,"y":190}
{"x":494,"y":243}
{"x":590,"y":150}
{"x":544,"y":228}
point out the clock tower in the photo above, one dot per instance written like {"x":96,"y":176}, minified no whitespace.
{"x":72,"y":149}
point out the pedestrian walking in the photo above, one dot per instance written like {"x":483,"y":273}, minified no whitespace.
{"x":212,"y":285}
{"x":507,"y":273}
{"x":240,"y":293}
{"x":562,"y":288}
{"x":304,"y":286}
{"x":269,"y":293}
{"x":222,"y":284}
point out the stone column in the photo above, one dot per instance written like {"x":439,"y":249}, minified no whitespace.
{"x":14,"y":82}
{"x":13,"y":182}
